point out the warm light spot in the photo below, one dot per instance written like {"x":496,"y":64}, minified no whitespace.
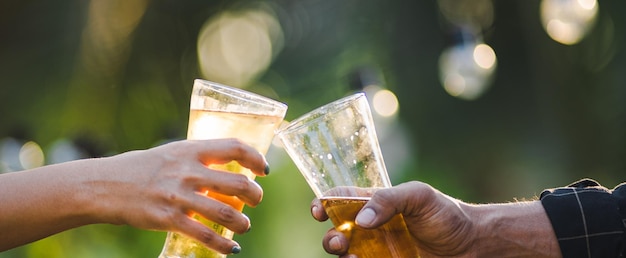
{"x":466,"y":70}
{"x":587,"y":4}
{"x":235,"y":47}
{"x":31,"y":155}
{"x":484,"y":56}
{"x":385,"y":103}
{"x":454,"y":84}
{"x":106,"y":42}
{"x":204,"y":127}
{"x":567,"y":34}
{"x":345,"y":226}
{"x":568,"y":21}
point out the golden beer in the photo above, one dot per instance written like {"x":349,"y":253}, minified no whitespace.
{"x":391,"y":240}
{"x":205,"y":124}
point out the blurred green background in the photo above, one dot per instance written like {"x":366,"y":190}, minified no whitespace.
{"x":488,"y":101}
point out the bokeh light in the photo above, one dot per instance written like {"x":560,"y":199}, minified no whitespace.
{"x":31,"y":155}
{"x":385,"y":103}
{"x":466,"y":70}
{"x":63,"y":150}
{"x":568,"y":21}
{"x":484,"y":56}
{"x":461,"y":12}
{"x":10,"y":155}
{"x":106,"y":41}
{"x":236,"y":46}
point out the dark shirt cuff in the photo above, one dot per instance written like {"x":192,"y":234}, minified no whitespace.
{"x":588,"y":219}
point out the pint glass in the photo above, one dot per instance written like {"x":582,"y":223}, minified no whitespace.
{"x":336,"y":149}
{"x":219,"y":111}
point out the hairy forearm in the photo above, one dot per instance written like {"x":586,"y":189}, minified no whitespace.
{"x":520,"y":229}
{"x":44,"y":201}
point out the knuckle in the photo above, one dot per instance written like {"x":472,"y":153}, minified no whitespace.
{"x":206,"y":236}
{"x":421,"y":190}
{"x":385,"y":195}
{"x":241,"y":184}
{"x":227,"y":214}
{"x":239,"y":147}
{"x":232,"y":218}
{"x":168,"y":219}
{"x":178,"y":147}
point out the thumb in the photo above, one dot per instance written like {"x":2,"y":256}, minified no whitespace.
{"x":386,"y":203}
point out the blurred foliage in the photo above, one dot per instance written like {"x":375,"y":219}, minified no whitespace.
{"x":554,"y":113}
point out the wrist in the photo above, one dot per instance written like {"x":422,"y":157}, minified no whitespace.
{"x":88,"y":193}
{"x":94,"y":188}
{"x":520,"y":229}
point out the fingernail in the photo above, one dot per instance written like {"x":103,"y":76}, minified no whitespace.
{"x":314,"y":210}
{"x":236,"y":249}
{"x":334,"y":243}
{"x":366,"y":217}
{"x":267,"y":169}
{"x":248,"y":219}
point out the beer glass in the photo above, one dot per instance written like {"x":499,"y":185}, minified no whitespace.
{"x":219,"y":111}
{"x":336,"y":149}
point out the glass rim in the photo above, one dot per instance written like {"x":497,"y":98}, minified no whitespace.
{"x":239,"y":93}
{"x":318,"y":113}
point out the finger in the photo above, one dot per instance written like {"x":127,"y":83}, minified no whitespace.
{"x":229,"y":184}
{"x":317,"y":210}
{"x":334,"y":242}
{"x":220,"y":151}
{"x":208,"y":237}
{"x":220,"y":213}
{"x":386,"y":203}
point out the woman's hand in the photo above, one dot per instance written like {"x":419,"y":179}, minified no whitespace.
{"x":155,"y":189}
{"x":161,"y":187}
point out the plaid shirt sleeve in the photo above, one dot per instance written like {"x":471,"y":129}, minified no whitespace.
{"x":589,"y":220}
